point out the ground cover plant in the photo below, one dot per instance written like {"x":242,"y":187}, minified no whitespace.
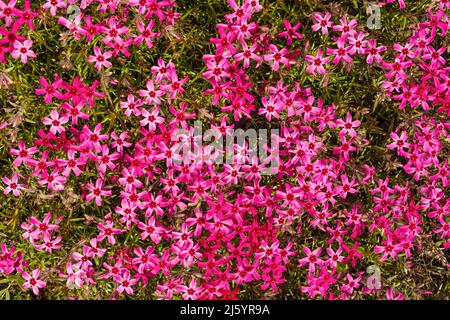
{"x":112,"y":189}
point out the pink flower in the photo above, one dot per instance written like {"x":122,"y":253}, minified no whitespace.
{"x":146,"y":33}
{"x":49,"y":244}
{"x":317,"y":63}
{"x":119,"y":141}
{"x":341,"y":53}
{"x":373,"y":52}
{"x":75,"y":112}
{"x":291,"y":32}
{"x":389,"y":249}
{"x":347,"y":186}
{"x":191,"y":292}
{"x":93,"y":138}
{"x":53,"y":5}
{"x":131,"y":105}
{"x":125,"y":282}
{"x":33,"y":281}
{"x":162,"y":70}
{"x":346,"y":28}
{"x":97,"y":192}
{"x":71,"y":164}
{"x":348,"y":126}
{"x":56,"y":122}
{"x":353,"y":283}
{"x":151,"y":95}
{"x":129,"y":180}
{"x":322,"y":22}
{"x":13,"y":185}
{"x":150,"y":229}
{"x":23,"y":154}
{"x":74,"y":276}
{"x":277,"y":57}
{"x":390,"y":295}
{"x":400,"y":142}
{"x":22,"y":50}
{"x":8,"y":11}
{"x":435,"y":56}
{"x":272,"y":107}
{"x":312,"y":258}
{"x":247,"y":54}
{"x":151,"y":118}
{"x":175,"y":85}
{"x":108,"y":231}
{"x":357,"y":43}
{"x":39,"y":229}
{"x":335,"y":257}
{"x":100,"y":58}
{"x":49,"y":90}
{"x":114,"y":31}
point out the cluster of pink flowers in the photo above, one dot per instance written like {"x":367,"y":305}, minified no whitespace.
{"x":122,"y":29}
{"x":40,"y":233}
{"x":11,"y":260}
{"x":205,"y":230}
{"x":15,"y":23}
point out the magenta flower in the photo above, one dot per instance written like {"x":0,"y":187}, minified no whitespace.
{"x":12,"y":185}
{"x":97,"y":192}
{"x":119,"y":141}
{"x":291,"y":32}
{"x":33,"y":281}
{"x":191,"y":292}
{"x":400,"y":142}
{"x":322,"y":22}
{"x":54,"y":5}
{"x":49,"y":244}
{"x":247,"y":54}
{"x":23,"y":154}
{"x":277,"y":57}
{"x":435,"y":56}
{"x":8,"y":11}
{"x":272,"y":107}
{"x":22,"y":50}
{"x":125,"y":282}
{"x":346,"y":28}
{"x":49,"y":90}
{"x":357,"y":43}
{"x":316,"y":63}
{"x":348,"y":125}
{"x":312,"y":258}
{"x":150,"y":229}
{"x":352,"y":284}
{"x":56,"y":122}
{"x":146,"y":33}
{"x":373,"y":52}
{"x":74,"y":112}
{"x":389,"y":249}
{"x":108,"y":231}
{"x":341,"y":53}
{"x":151,"y":119}
{"x":151,"y":95}
{"x":131,"y":105}
{"x":175,"y":85}
{"x":100,"y":59}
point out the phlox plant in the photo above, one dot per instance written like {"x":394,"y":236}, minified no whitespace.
{"x":98,"y":203}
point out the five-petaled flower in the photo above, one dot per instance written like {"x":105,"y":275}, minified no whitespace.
{"x":33,"y":281}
